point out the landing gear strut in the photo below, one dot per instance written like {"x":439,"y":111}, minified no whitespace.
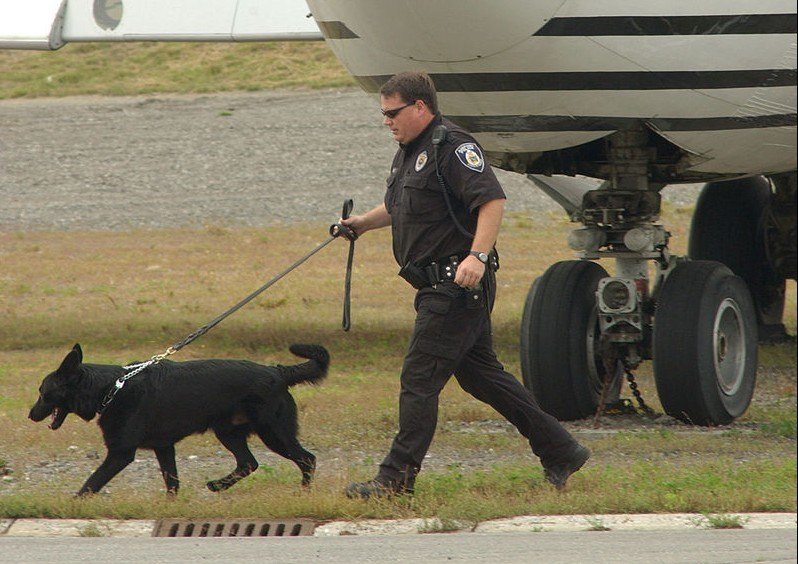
{"x":582,"y":330}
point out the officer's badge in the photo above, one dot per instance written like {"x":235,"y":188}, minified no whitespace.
{"x":471,"y":156}
{"x":421,"y":160}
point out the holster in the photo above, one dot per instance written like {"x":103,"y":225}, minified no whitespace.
{"x":415,"y":275}
{"x":475,"y":297}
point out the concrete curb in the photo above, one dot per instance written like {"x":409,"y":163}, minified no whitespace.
{"x":79,"y":528}
{"x":531,"y":523}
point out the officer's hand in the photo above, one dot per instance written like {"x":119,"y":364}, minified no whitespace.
{"x":469,"y":272}
{"x":355,"y":223}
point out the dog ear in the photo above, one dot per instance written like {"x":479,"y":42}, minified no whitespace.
{"x":71,"y":362}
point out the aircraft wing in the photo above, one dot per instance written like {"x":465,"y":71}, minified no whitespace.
{"x":36,"y":24}
{"x":49,"y":24}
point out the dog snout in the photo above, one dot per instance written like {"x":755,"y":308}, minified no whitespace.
{"x":39,"y":411}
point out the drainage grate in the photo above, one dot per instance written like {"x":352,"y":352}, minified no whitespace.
{"x":233,"y":528}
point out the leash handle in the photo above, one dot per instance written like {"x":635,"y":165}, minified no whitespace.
{"x":347,"y":232}
{"x":349,"y":205}
{"x":339,"y":229}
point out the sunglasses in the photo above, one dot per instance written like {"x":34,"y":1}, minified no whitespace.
{"x":393,"y":112}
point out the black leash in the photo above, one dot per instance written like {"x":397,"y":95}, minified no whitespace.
{"x":339,"y":230}
{"x":336,"y":230}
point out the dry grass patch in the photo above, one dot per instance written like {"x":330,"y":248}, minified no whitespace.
{"x":128,"y":295}
{"x":128,"y":69}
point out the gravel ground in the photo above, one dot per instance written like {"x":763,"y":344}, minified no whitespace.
{"x":254,"y":159}
{"x":64,"y":472}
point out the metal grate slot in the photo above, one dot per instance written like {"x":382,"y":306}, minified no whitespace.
{"x":233,"y":528}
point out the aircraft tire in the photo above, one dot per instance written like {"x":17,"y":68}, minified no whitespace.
{"x":705,"y":344}
{"x":559,"y":336}
{"x":727,"y":227}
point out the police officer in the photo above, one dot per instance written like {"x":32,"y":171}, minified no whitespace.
{"x":445,"y":205}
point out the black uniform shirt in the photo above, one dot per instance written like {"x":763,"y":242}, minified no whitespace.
{"x":422,"y":228}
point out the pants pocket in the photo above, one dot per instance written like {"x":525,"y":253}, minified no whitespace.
{"x":434,"y":333}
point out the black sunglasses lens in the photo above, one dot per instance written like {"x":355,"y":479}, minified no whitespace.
{"x":393,"y":112}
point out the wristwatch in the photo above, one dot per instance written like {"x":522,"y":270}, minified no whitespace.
{"x":483,"y":257}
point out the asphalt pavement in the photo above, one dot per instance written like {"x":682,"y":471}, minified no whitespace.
{"x":614,"y":546}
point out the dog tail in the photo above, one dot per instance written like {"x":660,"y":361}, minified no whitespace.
{"x":312,"y":371}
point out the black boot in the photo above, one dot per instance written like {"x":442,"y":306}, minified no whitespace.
{"x":379,"y":487}
{"x":557,"y":473}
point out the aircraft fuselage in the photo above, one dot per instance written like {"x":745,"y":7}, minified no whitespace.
{"x":538,"y":82}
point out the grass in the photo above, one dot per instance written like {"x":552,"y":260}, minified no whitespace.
{"x":129,"y":295}
{"x":111,"y":69}
{"x":596,"y":524}
{"x":92,"y":530}
{"x":723,"y":522}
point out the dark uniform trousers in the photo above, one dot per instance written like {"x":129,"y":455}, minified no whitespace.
{"x":451,"y":338}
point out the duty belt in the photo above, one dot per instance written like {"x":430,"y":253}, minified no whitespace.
{"x":444,"y":270}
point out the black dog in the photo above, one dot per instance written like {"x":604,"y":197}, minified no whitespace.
{"x":170,"y":400}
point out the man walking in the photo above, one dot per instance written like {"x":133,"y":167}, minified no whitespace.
{"x":445,"y":205}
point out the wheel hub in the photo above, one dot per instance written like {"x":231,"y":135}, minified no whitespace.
{"x":729,"y":347}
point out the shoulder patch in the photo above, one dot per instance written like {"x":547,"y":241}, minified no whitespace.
{"x":421,"y":160}
{"x":471,"y":156}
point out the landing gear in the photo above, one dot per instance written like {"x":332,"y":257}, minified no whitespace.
{"x":582,"y":329}
{"x":705,"y":346}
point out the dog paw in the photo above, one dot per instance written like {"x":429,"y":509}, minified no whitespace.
{"x":216,"y":485}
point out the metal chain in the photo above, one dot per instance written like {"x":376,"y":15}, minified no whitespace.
{"x":610,"y":362}
{"x":134,"y":369}
{"x":638,"y":396}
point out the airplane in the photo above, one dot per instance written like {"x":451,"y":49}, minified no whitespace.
{"x":601,"y":105}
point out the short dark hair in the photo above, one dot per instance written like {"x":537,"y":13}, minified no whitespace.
{"x":412,"y":86}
